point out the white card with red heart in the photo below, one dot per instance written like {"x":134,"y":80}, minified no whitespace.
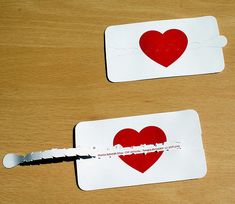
{"x":164,"y":48}
{"x":181,"y":127}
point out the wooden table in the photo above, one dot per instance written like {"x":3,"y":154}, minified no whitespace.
{"x":52,"y":76}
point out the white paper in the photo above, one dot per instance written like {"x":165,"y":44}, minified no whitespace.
{"x":127,"y":62}
{"x":186,"y":163}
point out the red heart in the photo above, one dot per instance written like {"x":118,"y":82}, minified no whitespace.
{"x":164,"y":48}
{"x":149,"y":135}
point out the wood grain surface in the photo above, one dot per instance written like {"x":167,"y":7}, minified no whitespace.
{"x":52,"y":76}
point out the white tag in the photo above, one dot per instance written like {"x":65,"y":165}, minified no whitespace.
{"x":172,"y":164}
{"x":164,"y":49}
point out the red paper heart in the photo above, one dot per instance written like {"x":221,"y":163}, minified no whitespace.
{"x":164,"y":48}
{"x":149,"y":135}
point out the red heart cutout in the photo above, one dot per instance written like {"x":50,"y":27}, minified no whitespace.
{"x":164,"y":48}
{"x":149,"y":135}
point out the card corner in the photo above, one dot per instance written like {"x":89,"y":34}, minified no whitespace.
{"x":221,"y":69}
{"x":110,"y":78}
{"x":194,"y":112}
{"x":108,"y":29}
{"x":204,"y":172}
{"x":77,"y":126}
{"x":212,"y":18}
{"x":82,"y":187}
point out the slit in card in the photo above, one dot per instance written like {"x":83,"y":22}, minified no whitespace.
{"x":166,"y":48}
{"x":129,"y":151}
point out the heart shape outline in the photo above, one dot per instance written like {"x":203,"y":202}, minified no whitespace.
{"x":149,"y":135}
{"x":163,"y":48}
